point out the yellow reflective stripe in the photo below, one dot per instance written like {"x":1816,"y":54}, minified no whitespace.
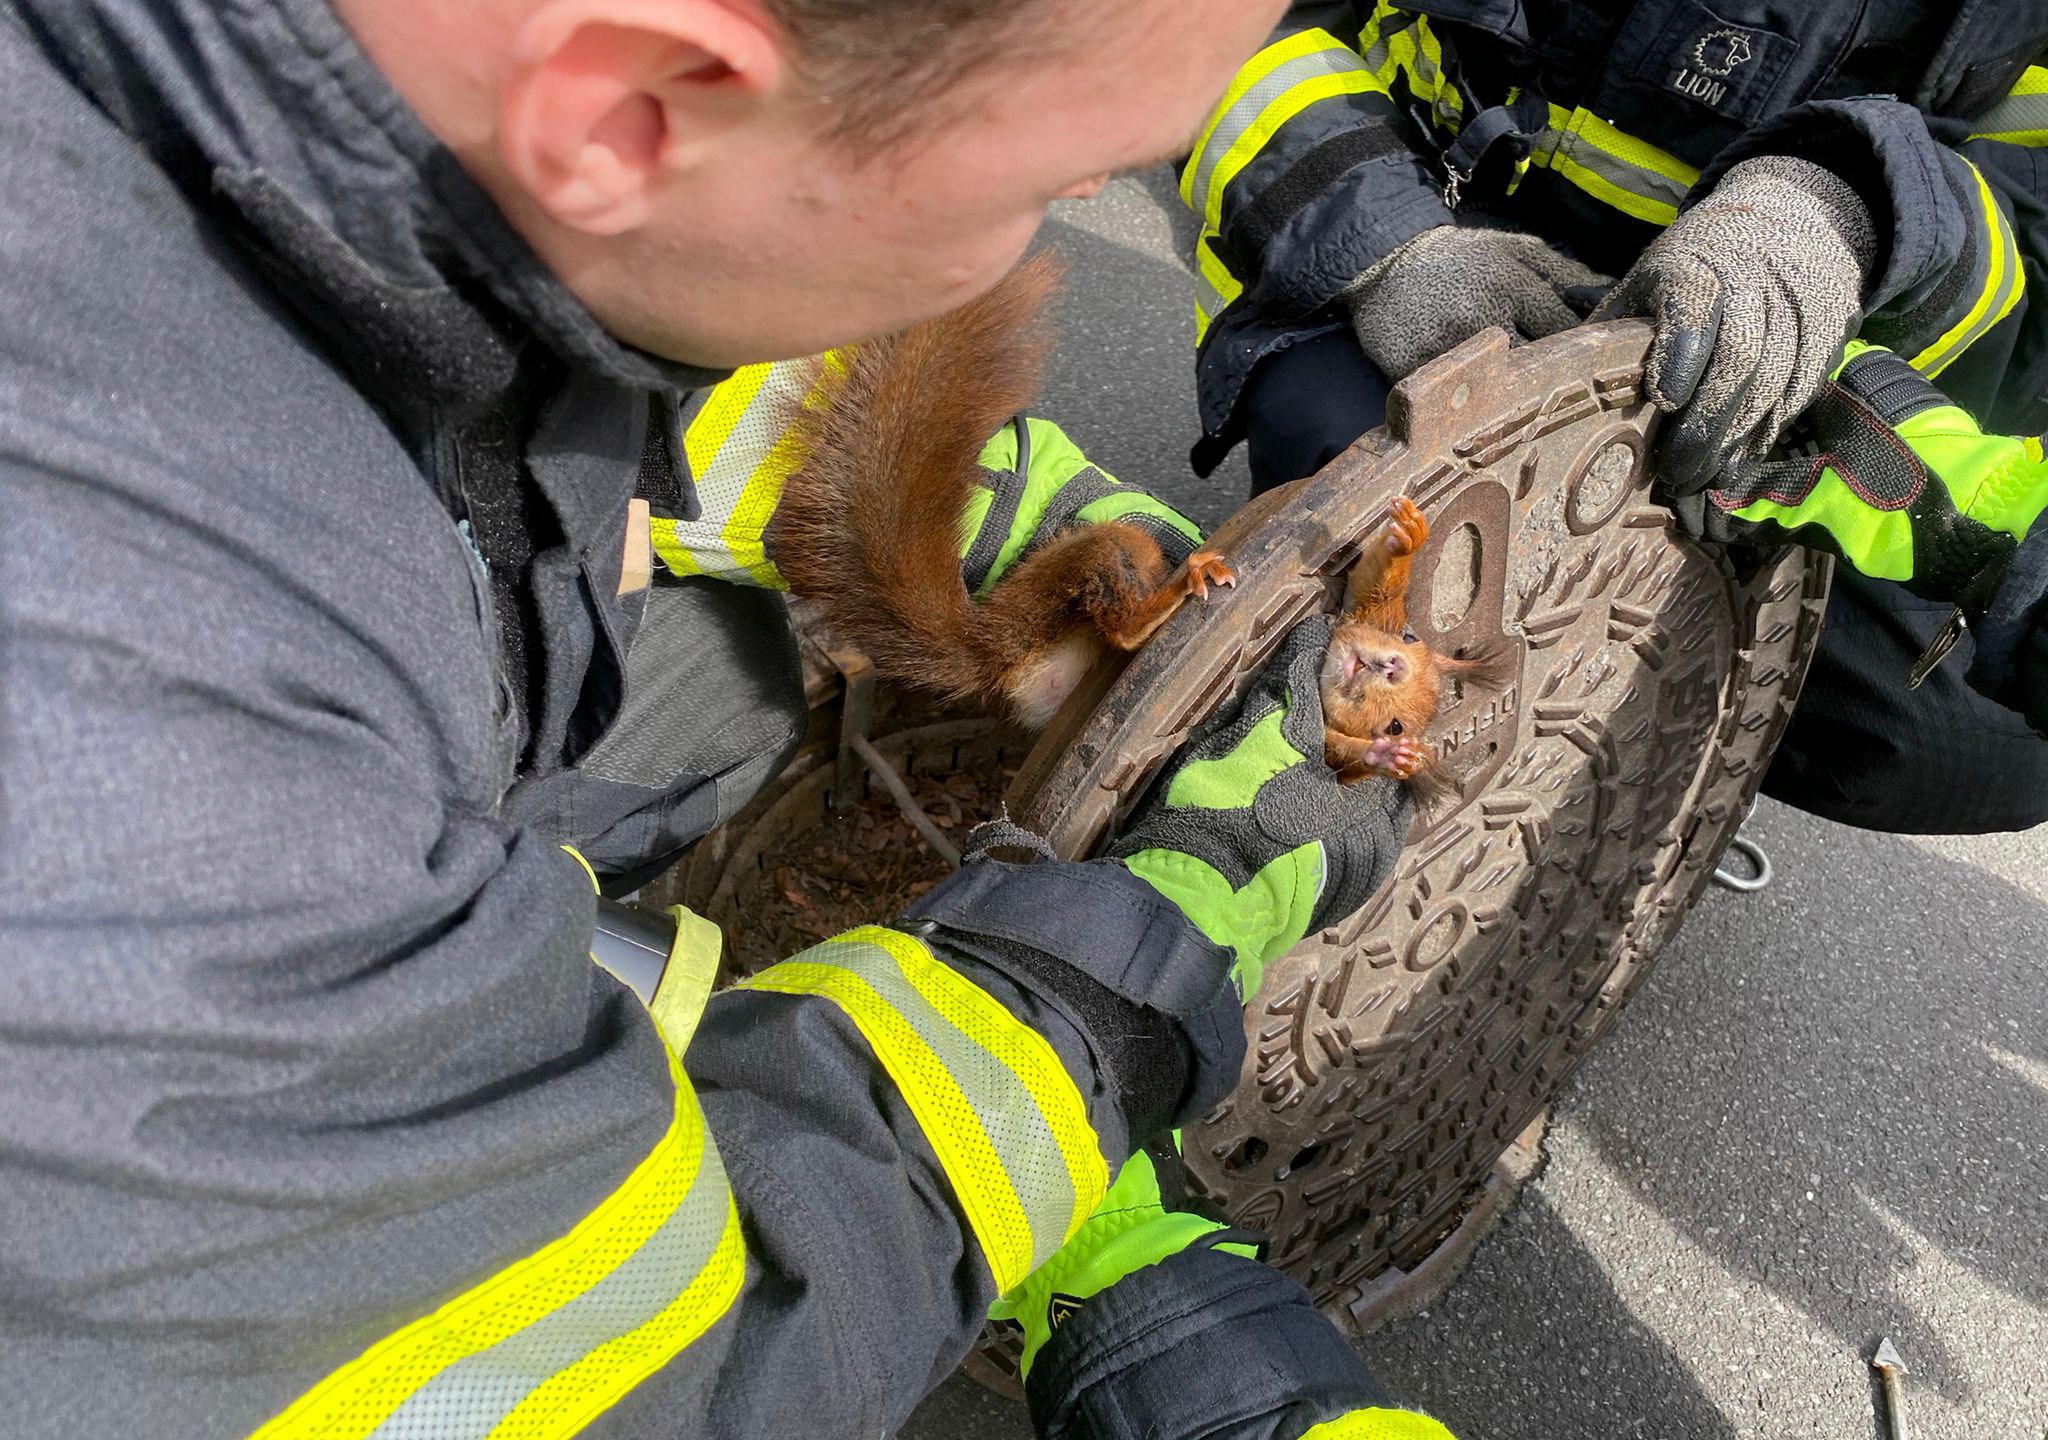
{"x":726,"y":466}
{"x":671,"y":548}
{"x":1379,"y":1425}
{"x":1397,"y":43}
{"x":697,"y":547}
{"x":1215,"y":286}
{"x":577,"y":856}
{"x":1254,"y":137}
{"x":1008,"y":1126}
{"x":686,"y":981}
{"x":1402,"y":53}
{"x":740,"y":452}
{"x":1448,"y":104}
{"x":1329,"y":69}
{"x":571,"y":1399}
{"x":1254,"y":70}
{"x":1612,"y":166}
{"x":713,"y":425}
{"x":1380,"y":38}
{"x":2021,"y":118}
{"x":1626,"y":150}
{"x":2005,"y":280}
{"x":745,"y":533}
{"x":1024,"y":1053}
{"x":546,"y":1345}
{"x":942,"y":1108}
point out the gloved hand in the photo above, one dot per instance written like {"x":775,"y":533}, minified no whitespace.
{"x":1151,"y":1320}
{"x":1752,"y":290}
{"x":1036,"y":483}
{"x":1904,"y":486}
{"x":1130,"y":1229}
{"x":1449,"y":283}
{"x":1248,"y":831}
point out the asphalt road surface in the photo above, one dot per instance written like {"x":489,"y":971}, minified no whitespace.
{"x":1824,"y":1118}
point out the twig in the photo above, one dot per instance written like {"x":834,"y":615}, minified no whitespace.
{"x":905,"y":801}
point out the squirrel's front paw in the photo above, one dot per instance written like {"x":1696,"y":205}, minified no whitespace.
{"x":1206,"y":568}
{"x":1399,"y":758}
{"x":1407,"y":529}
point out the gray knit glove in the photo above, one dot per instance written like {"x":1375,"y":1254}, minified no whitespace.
{"x":1447,"y":284}
{"x":1753,"y":292}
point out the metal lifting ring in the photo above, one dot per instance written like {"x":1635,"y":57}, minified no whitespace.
{"x":1760,"y":862}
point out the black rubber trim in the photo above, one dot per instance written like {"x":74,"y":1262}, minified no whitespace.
{"x":1084,"y":489}
{"x":1002,"y":513}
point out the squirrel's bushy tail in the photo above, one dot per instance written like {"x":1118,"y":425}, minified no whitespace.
{"x":868,"y":525}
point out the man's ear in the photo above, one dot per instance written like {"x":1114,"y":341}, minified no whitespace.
{"x":605,"y":96}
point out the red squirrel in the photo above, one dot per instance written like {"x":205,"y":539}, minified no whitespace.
{"x":1381,"y":686}
{"x":868,"y":530}
{"x":868,"y":527}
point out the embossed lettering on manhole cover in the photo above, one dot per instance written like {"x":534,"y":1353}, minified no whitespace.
{"x":1393,"y":1057}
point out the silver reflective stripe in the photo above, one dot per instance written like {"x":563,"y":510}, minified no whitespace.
{"x":731,"y":479}
{"x":1207,"y":296}
{"x":1576,"y":148}
{"x":760,"y":425}
{"x":1384,"y":58}
{"x":1032,"y":1160}
{"x":2014,"y":115}
{"x":1240,"y":117}
{"x":1991,"y":304}
{"x":1377,"y":54}
{"x":471,"y":1397}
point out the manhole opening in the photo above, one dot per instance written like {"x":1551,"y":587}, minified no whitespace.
{"x":1245,"y":1154}
{"x":1454,"y":584}
{"x":1305,"y":1158}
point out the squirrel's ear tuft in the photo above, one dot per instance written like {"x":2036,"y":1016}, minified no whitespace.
{"x":1435,"y":788}
{"x":1490,"y":666}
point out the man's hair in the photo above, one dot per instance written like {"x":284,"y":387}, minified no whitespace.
{"x":886,"y":65}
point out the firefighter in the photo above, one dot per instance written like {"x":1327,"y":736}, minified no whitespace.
{"x":1382,"y":181}
{"x":350,"y":347}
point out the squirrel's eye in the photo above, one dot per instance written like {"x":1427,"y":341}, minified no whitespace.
{"x":1393,"y":727}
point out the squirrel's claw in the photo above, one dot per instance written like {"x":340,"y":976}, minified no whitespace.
{"x":1398,"y":758}
{"x":1206,"y":568}
{"x":1407,"y":529}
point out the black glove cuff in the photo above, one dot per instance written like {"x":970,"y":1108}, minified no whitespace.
{"x":1149,"y":991}
{"x":1203,"y":1343}
{"x":1099,"y":918}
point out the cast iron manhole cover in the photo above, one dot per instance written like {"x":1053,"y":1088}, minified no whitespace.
{"x":1394,"y":1057}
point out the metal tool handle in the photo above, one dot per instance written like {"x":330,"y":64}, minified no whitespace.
{"x":634,"y":945}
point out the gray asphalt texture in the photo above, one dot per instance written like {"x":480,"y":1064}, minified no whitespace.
{"x":1824,"y":1118}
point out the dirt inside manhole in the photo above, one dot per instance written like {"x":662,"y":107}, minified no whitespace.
{"x":861,"y":867}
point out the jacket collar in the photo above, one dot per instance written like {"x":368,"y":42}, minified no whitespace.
{"x":272,"y":105}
